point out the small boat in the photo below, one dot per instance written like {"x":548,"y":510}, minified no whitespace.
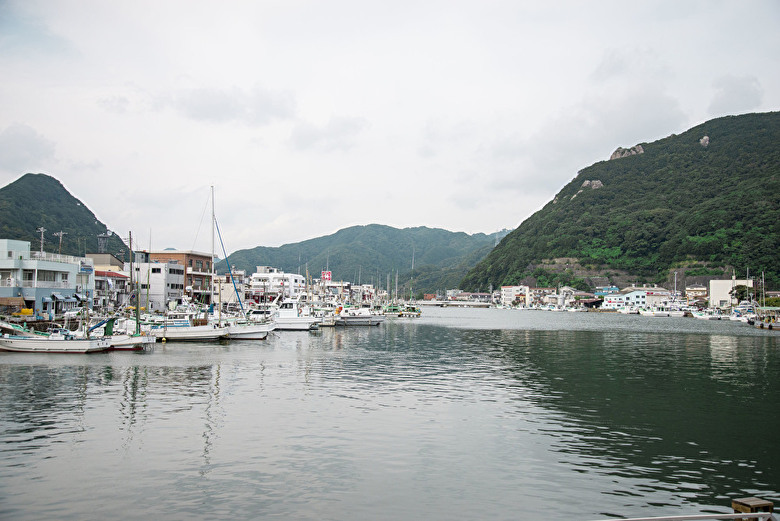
{"x":357,"y":317}
{"x":293,"y":315}
{"x":707,"y":314}
{"x":244,"y":330}
{"x":411,"y":311}
{"x":60,"y":341}
{"x":654,"y":312}
{"x":182,"y":326}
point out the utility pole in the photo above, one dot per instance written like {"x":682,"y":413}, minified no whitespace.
{"x":42,"y":230}
{"x":60,"y":234}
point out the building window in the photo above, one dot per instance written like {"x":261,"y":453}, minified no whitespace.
{"x":156,"y":270}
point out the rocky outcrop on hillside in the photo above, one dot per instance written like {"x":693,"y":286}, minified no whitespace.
{"x":625,"y":152}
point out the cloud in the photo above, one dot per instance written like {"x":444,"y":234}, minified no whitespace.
{"x":735,"y":95}
{"x":254,"y":107}
{"x":339,"y":133}
{"x":23,"y":149}
{"x":23,"y":35}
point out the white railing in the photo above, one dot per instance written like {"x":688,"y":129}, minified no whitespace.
{"x":56,"y":257}
{"x":15,"y":283}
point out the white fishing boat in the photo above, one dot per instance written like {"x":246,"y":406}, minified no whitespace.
{"x":411,"y":311}
{"x":293,"y":315}
{"x":61,"y":341}
{"x":357,"y":317}
{"x":654,"y":312}
{"x":118,"y":336}
{"x":707,"y":314}
{"x":246,"y":330}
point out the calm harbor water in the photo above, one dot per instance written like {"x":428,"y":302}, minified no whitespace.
{"x":462,"y":414}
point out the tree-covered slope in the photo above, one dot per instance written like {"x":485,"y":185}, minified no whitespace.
{"x":38,"y":200}
{"x":680,"y":202}
{"x":372,"y":253}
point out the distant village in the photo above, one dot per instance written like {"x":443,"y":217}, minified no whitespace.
{"x":38,"y":284}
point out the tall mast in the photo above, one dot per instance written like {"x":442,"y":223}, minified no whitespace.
{"x":213,"y":226}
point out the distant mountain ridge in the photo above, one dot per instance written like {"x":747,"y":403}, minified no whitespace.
{"x":40,"y":201}
{"x":702,"y":203}
{"x":371,"y":253}
{"x":374,"y":253}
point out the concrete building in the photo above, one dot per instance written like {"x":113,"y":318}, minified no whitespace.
{"x":197,"y":271}
{"x":510,"y":295}
{"x":720,"y":292}
{"x":267,"y":283}
{"x":638,"y":297}
{"x":49,"y":284}
{"x":112,"y":289}
{"x":158,"y":284}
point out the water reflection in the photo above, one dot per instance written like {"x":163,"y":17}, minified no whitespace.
{"x":408,"y":420}
{"x":674,"y":413}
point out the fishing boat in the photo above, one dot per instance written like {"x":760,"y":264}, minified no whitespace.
{"x":119,"y":339}
{"x":293,"y":315}
{"x":58,"y":341}
{"x":242,"y":329}
{"x":707,"y":314}
{"x":357,"y":317}
{"x":411,"y":311}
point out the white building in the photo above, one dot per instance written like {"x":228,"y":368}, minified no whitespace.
{"x":512,"y":294}
{"x":231,"y":287}
{"x":158,"y":284}
{"x":637,"y":297}
{"x":267,"y":283}
{"x":720,"y":292}
{"x":50,"y":284}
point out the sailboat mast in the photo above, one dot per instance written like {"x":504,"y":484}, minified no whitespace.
{"x":213,"y":226}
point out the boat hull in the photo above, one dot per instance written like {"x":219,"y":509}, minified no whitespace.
{"x":248,"y":331}
{"x":347,"y":321}
{"x":25,"y":344}
{"x":189,"y":333}
{"x":130,"y":342}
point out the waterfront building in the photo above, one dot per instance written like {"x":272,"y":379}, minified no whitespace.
{"x":112,"y":289}
{"x":268,"y":283}
{"x":603,"y":291}
{"x":231,"y":287}
{"x":637,"y":297}
{"x":720,"y":292}
{"x":197,"y":271}
{"x":513,"y":294}
{"x":49,"y":284}
{"x":536,"y":296}
{"x":695,"y":293}
{"x":159,"y":284}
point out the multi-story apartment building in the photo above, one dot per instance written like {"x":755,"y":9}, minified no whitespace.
{"x":158,"y":283}
{"x":49,"y":284}
{"x":197,"y":271}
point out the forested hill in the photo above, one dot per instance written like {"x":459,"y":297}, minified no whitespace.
{"x":703,"y":203}
{"x":372,"y":253}
{"x":40,"y":201}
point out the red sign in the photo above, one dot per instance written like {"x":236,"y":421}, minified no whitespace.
{"x":326,"y":275}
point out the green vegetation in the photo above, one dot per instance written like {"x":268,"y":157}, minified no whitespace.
{"x":678,"y":202}
{"x":38,"y":200}
{"x":375,"y":253}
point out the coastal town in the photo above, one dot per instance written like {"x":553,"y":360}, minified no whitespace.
{"x":175,"y":290}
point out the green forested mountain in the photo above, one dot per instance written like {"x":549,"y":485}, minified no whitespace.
{"x":38,"y":200}
{"x":703,"y":202}
{"x":372,"y":253}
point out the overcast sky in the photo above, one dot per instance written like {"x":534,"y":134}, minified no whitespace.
{"x":311,"y":116}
